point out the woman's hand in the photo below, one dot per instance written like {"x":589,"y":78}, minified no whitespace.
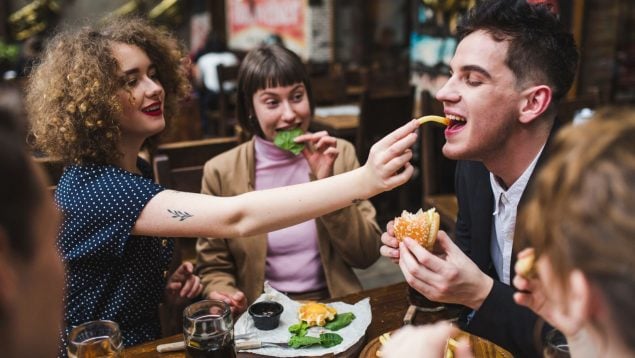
{"x":388,"y":165}
{"x":532,"y":295}
{"x":184,"y":283}
{"x":320,"y":152}
{"x":237,"y":301}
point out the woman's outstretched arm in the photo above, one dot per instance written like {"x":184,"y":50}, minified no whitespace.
{"x":180,"y":214}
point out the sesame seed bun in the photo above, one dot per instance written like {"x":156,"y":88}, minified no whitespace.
{"x":421,"y":226}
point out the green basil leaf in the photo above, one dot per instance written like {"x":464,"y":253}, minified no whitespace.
{"x":299,"y":329}
{"x":330,"y":339}
{"x":340,"y":321}
{"x":305,"y":341}
{"x":284,"y":140}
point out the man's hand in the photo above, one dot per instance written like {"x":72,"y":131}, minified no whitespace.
{"x":390,"y":247}
{"x":236,"y":301}
{"x":320,"y":152}
{"x":183,"y":283}
{"x":449,"y":276}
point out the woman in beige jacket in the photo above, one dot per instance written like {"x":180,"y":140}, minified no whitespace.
{"x":274,"y":95}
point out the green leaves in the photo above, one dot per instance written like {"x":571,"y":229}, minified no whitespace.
{"x":305,"y":341}
{"x":340,"y":321}
{"x":326,"y":340}
{"x":284,"y":140}
{"x":330,"y":339}
{"x":299,"y":330}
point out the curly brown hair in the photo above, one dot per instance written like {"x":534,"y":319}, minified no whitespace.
{"x":72,"y":94}
{"x":581,"y":209}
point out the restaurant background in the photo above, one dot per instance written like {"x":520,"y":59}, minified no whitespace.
{"x":349,"y":32}
{"x":362,"y":45}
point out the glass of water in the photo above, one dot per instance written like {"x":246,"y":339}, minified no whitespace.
{"x":95,"y":339}
{"x":556,"y":345}
{"x":208,"y":330}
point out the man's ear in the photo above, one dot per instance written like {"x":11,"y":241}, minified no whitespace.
{"x":535,"y":102}
{"x":8,"y":275}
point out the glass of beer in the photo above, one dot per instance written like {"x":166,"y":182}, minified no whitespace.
{"x":208,"y":330}
{"x":95,"y":339}
{"x":556,"y":345}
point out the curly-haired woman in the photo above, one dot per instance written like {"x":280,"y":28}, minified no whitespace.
{"x":96,"y":98}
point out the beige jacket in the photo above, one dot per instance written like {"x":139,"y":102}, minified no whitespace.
{"x":348,"y":238}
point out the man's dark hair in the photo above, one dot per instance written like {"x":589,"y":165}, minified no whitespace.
{"x":20,"y":192}
{"x":540,"y":49}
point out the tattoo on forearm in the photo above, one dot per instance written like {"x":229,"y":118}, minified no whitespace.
{"x":357,"y":201}
{"x":181,"y":215}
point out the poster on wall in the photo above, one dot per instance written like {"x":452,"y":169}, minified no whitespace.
{"x":252,"y":22}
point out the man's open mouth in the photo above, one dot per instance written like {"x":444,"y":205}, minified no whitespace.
{"x":455,"y":121}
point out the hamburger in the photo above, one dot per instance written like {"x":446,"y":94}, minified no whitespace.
{"x":422,"y":226}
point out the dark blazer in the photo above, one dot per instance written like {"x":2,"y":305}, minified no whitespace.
{"x":499,"y":319}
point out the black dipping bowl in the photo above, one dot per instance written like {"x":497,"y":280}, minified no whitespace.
{"x":266,"y":314}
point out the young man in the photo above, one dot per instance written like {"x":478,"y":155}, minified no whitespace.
{"x":513,"y":64}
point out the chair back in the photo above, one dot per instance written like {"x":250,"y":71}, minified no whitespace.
{"x":53,"y":169}
{"x":380,"y":114}
{"x":226,"y":100}
{"x":179,"y":166}
{"x":437,"y":171}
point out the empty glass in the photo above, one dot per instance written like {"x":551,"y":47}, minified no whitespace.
{"x":95,"y":339}
{"x":208,"y":330}
{"x":556,"y":345}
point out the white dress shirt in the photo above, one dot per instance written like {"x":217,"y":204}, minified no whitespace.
{"x":504,"y":223}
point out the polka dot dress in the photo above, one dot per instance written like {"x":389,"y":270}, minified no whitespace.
{"x":110,"y":274}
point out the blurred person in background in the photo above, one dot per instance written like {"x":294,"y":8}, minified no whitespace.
{"x":31,"y":271}
{"x":580,"y":224}
{"x":214,"y":53}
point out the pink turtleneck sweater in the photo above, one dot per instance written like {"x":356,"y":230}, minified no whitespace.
{"x":293,"y":257}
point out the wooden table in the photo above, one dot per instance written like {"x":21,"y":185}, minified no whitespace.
{"x":388,"y":305}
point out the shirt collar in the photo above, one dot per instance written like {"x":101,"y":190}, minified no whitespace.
{"x":512,"y":195}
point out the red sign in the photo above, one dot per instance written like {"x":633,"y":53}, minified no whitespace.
{"x":249,"y":22}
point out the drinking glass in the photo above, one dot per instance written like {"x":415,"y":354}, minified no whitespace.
{"x":556,"y":345}
{"x":208,"y":330}
{"x":95,"y":339}
{"x":423,"y":304}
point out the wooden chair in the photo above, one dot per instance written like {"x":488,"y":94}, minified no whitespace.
{"x":226,"y":100}
{"x":437,"y":170}
{"x":568,"y":107}
{"x":53,"y":169}
{"x":179,"y":166}
{"x":380,"y":114}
